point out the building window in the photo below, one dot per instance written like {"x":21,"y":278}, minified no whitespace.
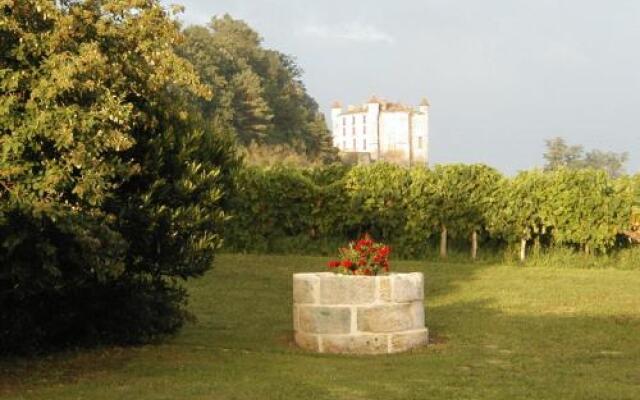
{"x":353,"y":120}
{"x":354,"y":145}
{"x":364,"y":119}
{"x":344,"y":121}
{"x":353,"y":130}
{"x":344,"y":145}
{"x":364,"y":129}
{"x":364,"y":144}
{"x":419,"y":142}
{"x":344,"y":130}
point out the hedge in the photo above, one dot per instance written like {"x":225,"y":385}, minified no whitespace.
{"x":415,"y":208}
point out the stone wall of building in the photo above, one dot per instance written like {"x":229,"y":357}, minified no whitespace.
{"x":335,"y":313}
{"x":389,"y":131}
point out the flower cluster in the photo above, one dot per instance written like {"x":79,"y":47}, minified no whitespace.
{"x":362,"y":257}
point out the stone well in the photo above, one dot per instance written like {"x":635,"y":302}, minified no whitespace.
{"x":335,"y":313}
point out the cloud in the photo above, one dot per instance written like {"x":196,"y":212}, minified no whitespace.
{"x":354,"y":32}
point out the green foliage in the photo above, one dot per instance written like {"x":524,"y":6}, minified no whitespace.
{"x":258,"y":95}
{"x":561,"y":155}
{"x":111,"y":184}
{"x":421,"y":208}
{"x":581,"y":209}
{"x":269,"y":203}
{"x":586,"y":209}
{"x":456,"y":197}
{"x":521,"y":211}
{"x":462,"y":195}
{"x":375,"y":196}
{"x":265,"y":155}
{"x":635,"y":188}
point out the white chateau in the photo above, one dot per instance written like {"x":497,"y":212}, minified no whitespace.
{"x":383,"y":130}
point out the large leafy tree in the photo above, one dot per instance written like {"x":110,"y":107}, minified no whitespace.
{"x":237,"y":105}
{"x":258,"y":93}
{"x":110,"y":181}
{"x":559,"y":154}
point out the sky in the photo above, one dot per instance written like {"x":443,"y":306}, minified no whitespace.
{"x":501,"y":75}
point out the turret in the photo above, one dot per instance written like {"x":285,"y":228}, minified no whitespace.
{"x":373,"y":127}
{"x":336,"y":110}
{"x":424,"y":105}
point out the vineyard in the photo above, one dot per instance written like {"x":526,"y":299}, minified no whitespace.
{"x":634,"y":232}
{"x":582,"y":210}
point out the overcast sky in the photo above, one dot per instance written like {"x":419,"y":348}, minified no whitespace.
{"x":501,"y":75}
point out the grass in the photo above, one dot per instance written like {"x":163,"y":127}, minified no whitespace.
{"x":498,"y":332}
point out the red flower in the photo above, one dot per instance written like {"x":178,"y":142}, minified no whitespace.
{"x":363,"y":257}
{"x":346,"y":263}
{"x":365,"y":241}
{"x":384,"y":251}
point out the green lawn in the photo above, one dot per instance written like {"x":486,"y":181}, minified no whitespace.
{"x":497,"y":332}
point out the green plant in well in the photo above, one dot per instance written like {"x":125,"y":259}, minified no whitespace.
{"x":110,"y":184}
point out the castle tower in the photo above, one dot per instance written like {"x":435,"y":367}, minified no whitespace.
{"x":373,"y":126}
{"x":424,"y":105}
{"x":422,"y":140}
{"x":336,"y":110}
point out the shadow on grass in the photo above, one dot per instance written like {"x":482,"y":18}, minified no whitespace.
{"x":243,"y":305}
{"x":244,"y":326}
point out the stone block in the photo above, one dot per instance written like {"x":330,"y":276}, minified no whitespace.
{"x":343,"y":289}
{"x":404,"y":341}
{"x":318,"y":319}
{"x":417,"y":312}
{"x":296,"y":319}
{"x":391,"y":317}
{"x":384,"y":289}
{"x":355,"y":344}
{"x":358,"y":314}
{"x":306,"y":288}
{"x":307,"y":341}
{"x":407,"y":287}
